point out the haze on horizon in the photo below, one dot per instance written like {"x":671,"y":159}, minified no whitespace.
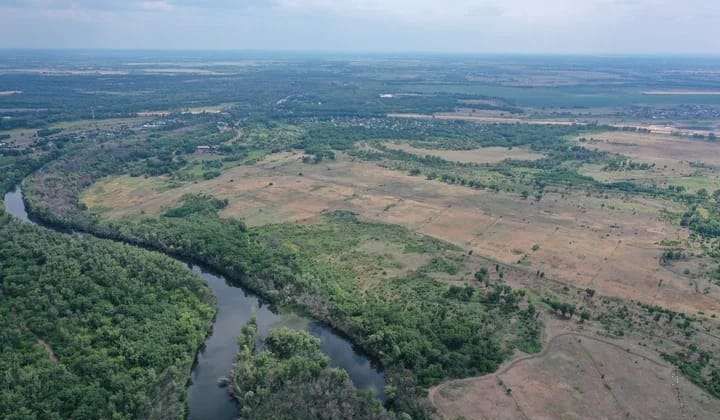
{"x":462,"y":26}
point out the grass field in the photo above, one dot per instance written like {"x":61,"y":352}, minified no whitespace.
{"x":484,"y":155}
{"x":609,"y":243}
{"x":654,"y":148}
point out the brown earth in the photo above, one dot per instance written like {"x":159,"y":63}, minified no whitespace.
{"x":578,"y":375}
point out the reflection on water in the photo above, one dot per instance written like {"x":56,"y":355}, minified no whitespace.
{"x":235,"y":308}
{"x":14,"y":204}
{"x":206,"y":400}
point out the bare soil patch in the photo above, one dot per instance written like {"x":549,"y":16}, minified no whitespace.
{"x":577,"y":376}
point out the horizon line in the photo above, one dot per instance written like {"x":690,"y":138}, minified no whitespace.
{"x":369,"y":52}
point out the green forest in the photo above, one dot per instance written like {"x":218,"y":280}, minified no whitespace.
{"x":287,"y":377}
{"x":94,"y":329}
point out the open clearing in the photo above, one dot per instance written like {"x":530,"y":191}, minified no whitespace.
{"x":692,"y":164}
{"x":20,"y":137}
{"x":481,"y":118}
{"x":577,"y":376}
{"x":496,"y":117}
{"x":678,"y":173}
{"x":657,"y":148}
{"x":210,"y":109}
{"x":25,"y":136}
{"x":484,"y":155}
{"x":608,"y":244}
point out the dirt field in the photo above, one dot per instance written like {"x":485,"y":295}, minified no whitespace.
{"x":484,"y":155}
{"x":611,"y":245}
{"x":578,"y":376}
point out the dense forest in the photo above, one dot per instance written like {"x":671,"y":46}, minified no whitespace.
{"x":94,"y":329}
{"x":289,"y":378}
{"x":91,"y":328}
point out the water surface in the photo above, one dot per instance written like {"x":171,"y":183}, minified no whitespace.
{"x":14,"y":204}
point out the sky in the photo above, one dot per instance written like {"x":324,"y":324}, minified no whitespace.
{"x":451,"y":26}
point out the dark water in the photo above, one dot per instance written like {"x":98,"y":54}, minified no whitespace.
{"x":206,"y":400}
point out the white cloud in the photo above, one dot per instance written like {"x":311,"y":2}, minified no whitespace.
{"x":451,"y":25}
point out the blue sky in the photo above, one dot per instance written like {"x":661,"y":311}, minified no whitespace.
{"x":470,"y":26}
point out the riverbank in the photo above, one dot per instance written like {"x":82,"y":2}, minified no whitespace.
{"x":235,"y":306}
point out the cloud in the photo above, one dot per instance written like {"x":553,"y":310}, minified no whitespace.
{"x":124,"y":5}
{"x":452,"y":25}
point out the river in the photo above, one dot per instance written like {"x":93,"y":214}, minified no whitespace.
{"x":206,"y":400}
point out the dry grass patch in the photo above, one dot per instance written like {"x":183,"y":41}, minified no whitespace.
{"x":609,"y":244}
{"x":481,"y":118}
{"x":657,"y":148}
{"x":679,"y":173}
{"x":116,"y":197}
{"x":483,"y":155}
{"x":693,"y":164}
{"x":578,"y":377}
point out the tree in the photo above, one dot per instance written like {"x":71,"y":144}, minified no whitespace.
{"x":584,"y":315}
{"x":481,"y":275}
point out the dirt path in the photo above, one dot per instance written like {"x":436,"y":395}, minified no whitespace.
{"x":51,"y":354}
